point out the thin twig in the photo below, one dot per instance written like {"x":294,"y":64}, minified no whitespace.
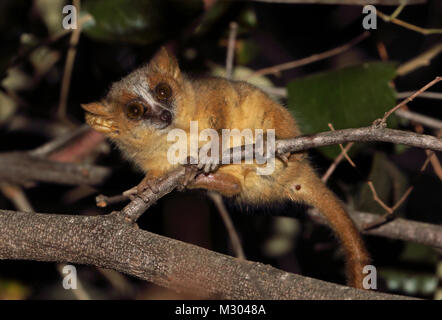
{"x":79,"y":292}
{"x":407,"y":25}
{"x":344,"y":151}
{"x":103,"y":201}
{"x":377,"y":199}
{"x":118,"y":281}
{"x":279,"y":92}
{"x":422,"y":60}
{"x":390,"y":210}
{"x":434,"y":160}
{"x":335,"y":163}
{"x":310,"y":59}
{"x":51,"y":146}
{"x":425,"y":95}
{"x":17,"y":196}
{"x":435,"y":163}
{"x":231,"y":49}
{"x":282,"y":92}
{"x":397,"y":11}
{"x":216,"y":198}
{"x":402,"y":199}
{"x":233,"y":234}
{"x":417,"y":93}
{"x":20,"y":167}
{"x":66,"y":81}
{"x":419,"y":118}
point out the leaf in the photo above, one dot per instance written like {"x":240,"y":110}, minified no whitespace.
{"x":138,"y":21}
{"x":348,"y":98}
{"x":241,"y":72}
{"x":211,"y":17}
{"x":50,"y":13}
{"x":419,"y":253}
{"x":390,"y":184}
{"x":247,"y":51}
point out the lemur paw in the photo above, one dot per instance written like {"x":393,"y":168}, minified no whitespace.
{"x":208,"y":164}
{"x":189,"y":176}
{"x":283,"y":156}
{"x":193,"y":168}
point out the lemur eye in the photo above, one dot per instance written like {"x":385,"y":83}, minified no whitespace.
{"x":163,"y":91}
{"x":134,"y":110}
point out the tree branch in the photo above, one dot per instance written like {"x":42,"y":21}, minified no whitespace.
{"x":106,"y":242}
{"x":399,"y":229}
{"x":20,"y":167}
{"x":365,"y":134}
{"x":141,"y":203}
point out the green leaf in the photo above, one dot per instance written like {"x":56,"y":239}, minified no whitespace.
{"x":247,"y":51}
{"x":211,"y":17}
{"x":138,"y":21}
{"x":415,"y":252}
{"x":348,"y":98}
{"x":390,"y":184}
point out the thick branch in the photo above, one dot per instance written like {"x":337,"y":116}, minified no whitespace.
{"x":21,"y":167}
{"x":106,"y":242}
{"x":400,"y":229}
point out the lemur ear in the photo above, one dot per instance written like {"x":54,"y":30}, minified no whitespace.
{"x":165,"y":62}
{"x":97,"y":108}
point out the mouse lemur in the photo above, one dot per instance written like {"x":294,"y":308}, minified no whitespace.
{"x":140,"y":110}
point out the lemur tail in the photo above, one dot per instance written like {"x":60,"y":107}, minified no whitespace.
{"x":312,"y":191}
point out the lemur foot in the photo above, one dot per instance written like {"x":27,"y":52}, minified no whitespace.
{"x":205,"y":165}
{"x":283,"y":156}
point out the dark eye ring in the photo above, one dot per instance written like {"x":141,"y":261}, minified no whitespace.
{"x":134,"y":110}
{"x":163,"y":91}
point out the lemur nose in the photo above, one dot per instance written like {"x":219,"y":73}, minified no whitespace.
{"x":166,"y":116}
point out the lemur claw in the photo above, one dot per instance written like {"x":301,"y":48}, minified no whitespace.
{"x":193,"y":169}
{"x":284,"y":157}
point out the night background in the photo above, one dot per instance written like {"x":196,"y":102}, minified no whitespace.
{"x":349,"y":90}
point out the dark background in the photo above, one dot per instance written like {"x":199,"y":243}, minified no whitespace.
{"x":269,"y":34}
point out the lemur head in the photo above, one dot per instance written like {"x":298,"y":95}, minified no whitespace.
{"x":146,"y":101}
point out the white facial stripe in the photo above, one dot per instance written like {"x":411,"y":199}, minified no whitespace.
{"x":142,"y":90}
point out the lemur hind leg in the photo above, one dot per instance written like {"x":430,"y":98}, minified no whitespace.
{"x":224,"y":183}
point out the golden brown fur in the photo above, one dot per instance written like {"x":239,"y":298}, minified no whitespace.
{"x":221,"y":104}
